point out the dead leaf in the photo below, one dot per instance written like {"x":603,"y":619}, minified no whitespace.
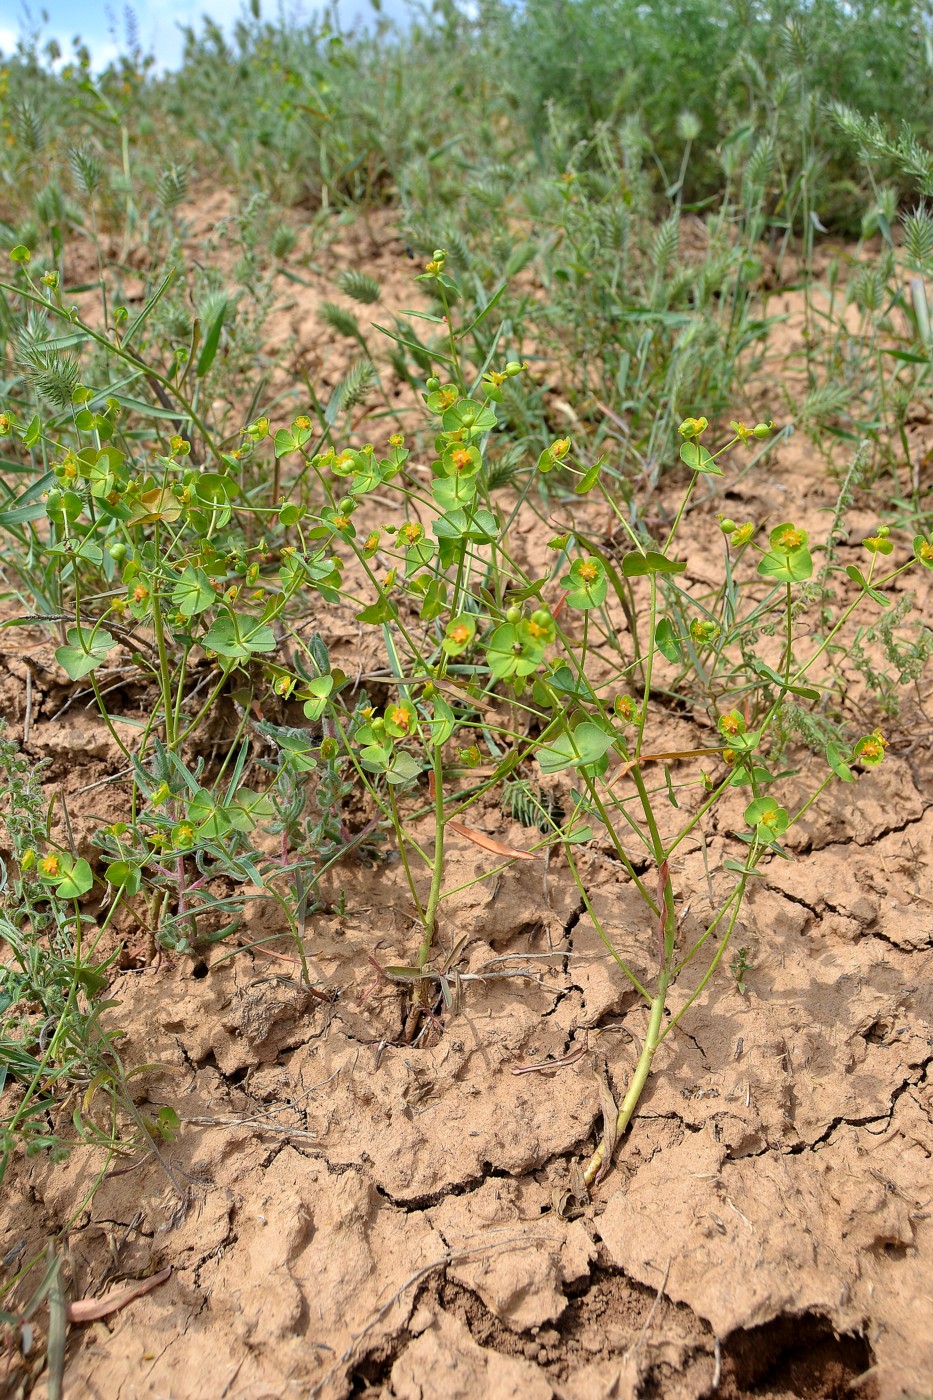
{"x":489,"y":843}
{"x":91,"y":1309}
{"x":610,"y":1110}
{"x":543,"y":1065}
{"x":459,"y":693}
{"x":569,"y":1202}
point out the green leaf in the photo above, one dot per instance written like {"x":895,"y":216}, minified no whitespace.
{"x":589,"y":478}
{"x":838,"y":764}
{"x":215,"y":489}
{"x":206,"y":358}
{"x":568,"y":682}
{"x":84,"y":651}
{"x":403,"y":768}
{"x":418,"y":556}
{"x":768,"y":673}
{"x":788,"y":560}
{"x":665,"y":639}
{"x":585,"y":747}
{"x":76,"y":882}
{"x":442,"y":723}
{"x":63,"y":505}
{"x":407,"y":974}
{"x":208,"y":815}
{"x":71,"y":879}
{"x":320,"y":688}
{"x":452,"y":492}
{"x":193,"y":592}
{"x":299,"y":755}
{"x":435,"y":599}
{"x":512,"y":651}
{"x":636,"y":564}
{"x":87,"y":550}
{"x":148,"y":410}
{"x":481,"y":526}
{"x":696,"y":457}
{"x":28,"y":506}
{"x":381,"y":611}
{"x":856,"y":575}
{"x":739,"y":869}
{"x":288,"y":440}
{"x":467,"y":413}
{"x":239,"y":636}
{"x":247,"y":808}
{"x":123,"y":875}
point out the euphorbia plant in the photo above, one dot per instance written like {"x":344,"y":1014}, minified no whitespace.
{"x":583,"y":655}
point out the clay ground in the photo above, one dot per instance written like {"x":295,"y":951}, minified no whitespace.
{"x":344,"y":1215}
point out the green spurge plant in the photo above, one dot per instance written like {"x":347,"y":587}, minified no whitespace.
{"x":176,"y":561}
{"x":498,"y":672}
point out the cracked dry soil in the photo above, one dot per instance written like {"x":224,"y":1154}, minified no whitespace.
{"x":357,"y":1218}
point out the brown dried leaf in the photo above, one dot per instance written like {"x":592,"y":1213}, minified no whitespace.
{"x":90,"y":1309}
{"x":489,"y":843}
{"x":610,"y":1112}
{"x":569,"y":1202}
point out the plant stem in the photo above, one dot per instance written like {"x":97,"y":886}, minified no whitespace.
{"x":437,"y":868}
{"x":165,"y":675}
{"x":639,"y":1080}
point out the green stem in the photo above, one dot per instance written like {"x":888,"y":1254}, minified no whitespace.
{"x":649,"y":663}
{"x":789,"y":649}
{"x":599,"y":928}
{"x":165,"y":674}
{"x":713,"y":965}
{"x":639,"y":1080}
{"x":679,"y":516}
{"x":437,"y":870}
{"x":105,"y":716}
{"x":180,"y":738}
{"x":406,"y":864}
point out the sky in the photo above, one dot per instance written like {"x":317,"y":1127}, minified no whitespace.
{"x":101,"y":24}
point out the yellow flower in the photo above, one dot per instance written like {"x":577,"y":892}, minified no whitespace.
{"x":461,"y":458}
{"x":400,"y":717}
{"x":791,"y":539}
{"x":693,"y":427}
